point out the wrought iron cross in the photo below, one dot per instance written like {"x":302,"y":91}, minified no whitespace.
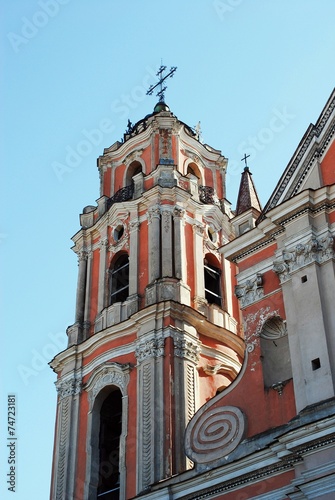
{"x":245,"y":160}
{"x":162,"y":79}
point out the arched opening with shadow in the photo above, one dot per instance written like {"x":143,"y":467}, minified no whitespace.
{"x":110,"y":428}
{"x":275,"y":352}
{"x":193,"y":172}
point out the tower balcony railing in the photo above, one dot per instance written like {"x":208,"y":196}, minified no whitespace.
{"x":123,"y":194}
{"x":206,"y":194}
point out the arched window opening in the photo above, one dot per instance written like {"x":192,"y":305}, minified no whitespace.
{"x":275,"y":353}
{"x":119,"y":280}
{"x":193,"y":170}
{"x":212,"y":284}
{"x":134,"y":168}
{"x":109,"y":444}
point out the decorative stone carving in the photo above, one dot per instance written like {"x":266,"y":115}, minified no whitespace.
{"x":274,"y":328}
{"x":64,"y":424}
{"x":165,"y":144}
{"x":178,"y":212}
{"x":198,"y":229}
{"x":134,"y":225}
{"x":153,"y":212}
{"x":250,"y":291}
{"x":185,"y":347}
{"x":82,"y":255}
{"x":314,"y":250}
{"x":69,"y":387}
{"x":166,"y":220}
{"x":134,"y":155}
{"x":103,"y":243}
{"x":111,"y":374}
{"x":214,"y":433}
{"x":254,"y":323}
{"x":201,"y":305}
{"x":150,"y":348}
{"x":279,"y":387}
{"x":251,"y":346}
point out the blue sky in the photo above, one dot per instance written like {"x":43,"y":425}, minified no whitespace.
{"x":255,"y":73}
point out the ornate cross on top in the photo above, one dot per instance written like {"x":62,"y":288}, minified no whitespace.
{"x":162,"y":79}
{"x":245,"y":160}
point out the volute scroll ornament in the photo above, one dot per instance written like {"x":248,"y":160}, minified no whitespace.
{"x":214,"y":433}
{"x":250,"y":291}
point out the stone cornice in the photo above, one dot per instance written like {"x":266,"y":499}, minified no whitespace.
{"x":309,"y":201}
{"x":137,"y":323}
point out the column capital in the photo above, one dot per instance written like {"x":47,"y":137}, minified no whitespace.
{"x":69,"y":387}
{"x":292,"y":259}
{"x":186,"y":347}
{"x":154,"y":213}
{"x":150,"y":348}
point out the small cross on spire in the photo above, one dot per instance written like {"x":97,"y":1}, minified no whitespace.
{"x":161,"y":79}
{"x":245,"y":160}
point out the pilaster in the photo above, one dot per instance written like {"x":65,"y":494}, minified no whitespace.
{"x":154,"y":247}
{"x":167,"y":251}
{"x":179,"y":243}
{"x":134,"y":227}
{"x":66,"y":438}
{"x":186,"y":358}
{"x":102,"y":273}
{"x":151,"y":461}
{"x":303,"y":269}
{"x":198,"y":236}
{"x":81,"y":287}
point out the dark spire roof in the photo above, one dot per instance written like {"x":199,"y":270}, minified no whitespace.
{"x":247,"y":195}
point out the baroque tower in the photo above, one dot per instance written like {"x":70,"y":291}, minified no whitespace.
{"x":156,"y":330}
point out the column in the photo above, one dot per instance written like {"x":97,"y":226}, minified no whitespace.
{"x":186,"y":358}
{"x":64,"y":473}
{"x":80,"y":301}
{"x":198,"y":231}
{"x":166,"y":232}
{"x":151,"y":457}
{"x":86,"y":324}
{"x":102,"y":274}
{"x":134,"y":226}
{"x":179,"y":243}
{"x":154,"y":244}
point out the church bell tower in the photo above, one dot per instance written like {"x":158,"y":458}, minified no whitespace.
{"x":156,"y":330}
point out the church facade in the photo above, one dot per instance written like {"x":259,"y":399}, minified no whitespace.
{"x":201,"y":363}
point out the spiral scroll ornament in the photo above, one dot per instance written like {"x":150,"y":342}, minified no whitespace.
{"x":214,"y":434}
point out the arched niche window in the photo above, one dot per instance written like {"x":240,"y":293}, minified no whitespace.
{"x":212,"y":275}
{"x":109,"y":446}
{"x":134,"y":168}
{"x":194,"y":173}
{"x":275,"y":352}
{"x":119,"y":279}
